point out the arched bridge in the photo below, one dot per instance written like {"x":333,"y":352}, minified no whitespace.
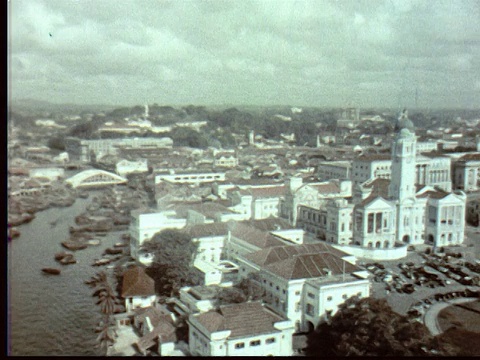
{"x":95,"y":177}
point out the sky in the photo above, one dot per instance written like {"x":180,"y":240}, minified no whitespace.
{"x":365,"y":53}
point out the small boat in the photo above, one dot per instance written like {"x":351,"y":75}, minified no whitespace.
{"x":68,"y":260}
{"x":101,"y":262}
{"x":51,"y":271}
{"x":84,"y":195}
{"x":59,"y":256}
{"x":70,"y":245}
{"x":94,"y":242}
{"x":110,"y":251}
{"x":120,"y":244}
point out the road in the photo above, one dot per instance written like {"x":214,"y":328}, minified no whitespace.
{"x":431,"y":315}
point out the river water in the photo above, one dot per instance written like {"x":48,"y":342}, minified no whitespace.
{"x":52,"y":314}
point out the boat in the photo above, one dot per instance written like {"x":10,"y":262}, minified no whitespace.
{"x":101,"y":262}
{"x":51,"y":271}
{"x":120,"y":244}
{"x":59,"y":256}
{"x":111,"y":251}
{"x":94,"y":242}
{"x":68,"y":260}
{"x":71,"y":245}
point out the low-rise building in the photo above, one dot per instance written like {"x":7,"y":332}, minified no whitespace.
{"x":305,"y":283}
{"x":467,"y":172}
{"x":146,"y":222}
{"x":334,"y":170}
{"x":125,"y":167}
{"x":138,"y":289}
{"x":247,"y":329}
{"x":190,"y":177}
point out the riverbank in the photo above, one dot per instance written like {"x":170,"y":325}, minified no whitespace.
{"x":52,"y":315}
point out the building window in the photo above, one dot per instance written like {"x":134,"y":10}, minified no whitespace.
{"x":311,"y":296}
{"x":310,"y":309}
{"x":329,"y":298}
{"x":240,"y":345}
{"x":255,"y":343}
{"x":344,"y":296}
{"x":270,"y":341}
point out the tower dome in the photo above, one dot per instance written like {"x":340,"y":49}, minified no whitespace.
{"x":404,"y":122}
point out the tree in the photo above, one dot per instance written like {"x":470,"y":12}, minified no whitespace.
{"x":104,"y":290}
{"x":172,"y":267}
{"x":369,"y":327}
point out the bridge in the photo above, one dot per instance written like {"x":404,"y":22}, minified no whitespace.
{"x":94,"y":177}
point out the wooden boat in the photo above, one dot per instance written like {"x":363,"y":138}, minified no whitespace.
{"x":51,"y":271}
{"x":101,"y":262}
{"x":59,"y":256}
{"x":68,"y":260}
{"x":71,"y":245}
{"x":111,"y":251}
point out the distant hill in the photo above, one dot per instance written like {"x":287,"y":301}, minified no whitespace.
{"x":39,"y":106}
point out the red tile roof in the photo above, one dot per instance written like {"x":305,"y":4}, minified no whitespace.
{"x":270,"y":224}
{"x":260,"y":239}
{"x":311,"y":266}
{"x":374,"y":157}
{"x":280,"y":253}
{"x":206,"y":230}
{"x":243,"y":320}
{"x":137,"y":283}
{"x":468,"y":157}
{"x":433,"y":194}
{"x":330,"y":188}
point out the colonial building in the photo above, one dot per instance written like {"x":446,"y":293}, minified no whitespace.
{"x":313,"y":195}
{"x":247,"y":329}
{"x":428,"y":170}
{"x":467,"y":172}
{"x":305,"y":283}
{"x":390,"y":212}
{"x":138,"y":289}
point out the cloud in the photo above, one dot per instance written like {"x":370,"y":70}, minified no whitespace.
{"x":254,"y":51}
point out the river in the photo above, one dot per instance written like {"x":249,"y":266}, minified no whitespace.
{"x":52,"y":315}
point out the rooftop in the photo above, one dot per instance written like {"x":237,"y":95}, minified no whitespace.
{"x":281,"y":253}
{"x":258,"y":238}
{"x":137,"y":283}
{"x":243,"y":320}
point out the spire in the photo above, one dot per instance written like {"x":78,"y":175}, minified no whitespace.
{"x":404,"y":122}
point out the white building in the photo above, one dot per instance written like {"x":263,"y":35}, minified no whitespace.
{"x":225,"y":159}
{"x":426,"y":146}
{"x":247,"y":329}
{"x":313,"y":195}
{"x":305,"y":283}
{"x":467,"y":172}
{"x":328,"y":170}
{"x":257,"y":202}
{"x":125,"y":167}
{"x":49,"y":173}
{"x":389,"y":214}
{"x":190,"y":177}
{"x":429,"y":170}
{"x":138,"y":289}
{"x":83,"y":150}
{"x":145,"y":223}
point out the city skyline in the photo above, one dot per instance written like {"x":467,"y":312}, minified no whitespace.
{"x":305,"y":53}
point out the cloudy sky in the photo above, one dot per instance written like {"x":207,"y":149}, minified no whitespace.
{"x":262,"y":52}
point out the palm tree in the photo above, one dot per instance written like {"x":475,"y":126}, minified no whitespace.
{"x":107,"y":299}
